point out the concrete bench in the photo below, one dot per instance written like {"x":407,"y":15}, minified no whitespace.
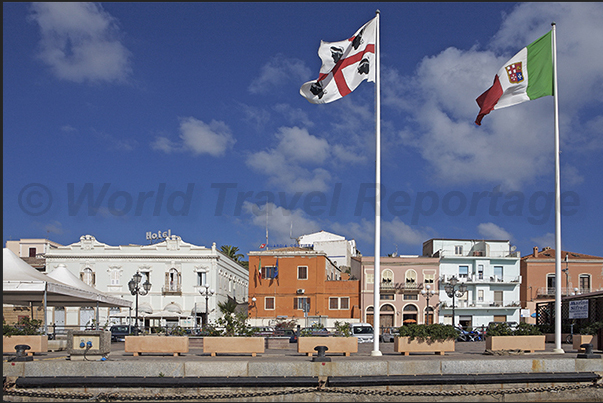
{"x":156,"y":344}
{"x":337,"y":345}
{"x":233,"y":345}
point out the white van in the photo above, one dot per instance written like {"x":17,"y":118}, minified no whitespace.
{"x":364,"y":332}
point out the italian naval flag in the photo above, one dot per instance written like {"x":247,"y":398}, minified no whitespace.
{"x":528,"y":75}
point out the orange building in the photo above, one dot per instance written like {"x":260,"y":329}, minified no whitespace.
{"x":580,"y":274}
{"x":285,"y":282}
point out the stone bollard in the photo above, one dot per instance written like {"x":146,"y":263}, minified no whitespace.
{"x":588,"y":351}
{"x":321,"y":354}
{"x":21,"y":354}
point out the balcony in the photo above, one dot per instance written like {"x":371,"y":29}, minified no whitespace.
{"x":171,"y":289}
{"x":549,"y":292}
{"x":482,"y":304}
{"x":483,"y":279}
{"x":400,"y":288}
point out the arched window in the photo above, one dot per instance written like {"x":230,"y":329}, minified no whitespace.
{"x":88,"y":276}
{"x":387,"y":276}
{"x":173,"y":280}
{"x":411,"y":277}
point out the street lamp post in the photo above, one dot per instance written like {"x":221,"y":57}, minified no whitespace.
{"x":207,"y":292}
{"x":136,"y":289}
{"x":253,"y":305}
{"x":427,"y":293}
{"x":566,"y":271}
{"x":454,"y":292}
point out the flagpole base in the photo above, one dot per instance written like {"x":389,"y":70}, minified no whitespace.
{"x":559,"y":351}
{"x":376,"y":353}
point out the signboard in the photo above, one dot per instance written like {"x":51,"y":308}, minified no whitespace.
{"x":524,"y":313}
{"x":578,"y":309}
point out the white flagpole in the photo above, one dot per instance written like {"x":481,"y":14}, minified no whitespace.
{"x":557,"y":203}
{"x":377,"y":270}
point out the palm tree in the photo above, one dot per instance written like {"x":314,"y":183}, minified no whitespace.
{"x":231,"y":252}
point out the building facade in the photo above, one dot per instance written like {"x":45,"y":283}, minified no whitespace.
{"x":177,"y":271}
{"x":407,"y":289}
{"x":580,"y":274}
{"x":339,"y":250}
{"x":302,"y":285}
{"x":32,"y":250}
{"x":489,"y":269}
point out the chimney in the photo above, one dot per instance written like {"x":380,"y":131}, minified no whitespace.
{"x":535,"y":251}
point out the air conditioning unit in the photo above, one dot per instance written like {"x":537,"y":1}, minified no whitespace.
{"x":301,"y":291}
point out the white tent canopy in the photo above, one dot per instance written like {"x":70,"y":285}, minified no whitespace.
{"x":24,"y":285}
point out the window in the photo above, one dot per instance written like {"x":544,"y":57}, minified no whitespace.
{"x":428,"y":278}
{"x":88,"y":276}
{"x":480,"y":295}
{"x":146,"y":276}
{"x":114,"y":276}
{"x":201,"y":278}
{"x":32,"y":252}
{"x":301,"y":302}
{"x":411,"y":297}
{"x":173,"y":280}
{"x":411,"y":277}
{"x":480,"y":271}
{"x":458,"y":250}
{"x":388,"y":297}
{"x":498,"y":298}
{"x":498,"y":273}
{"x":370,"y":278}
{"x":463,"y":271}
{"x":268,"y":272}
{"x":387,"y":276}
{"x":550,"y":284}
{"x":333,"y":303}
{"x":302,"y":272}
{"x":339,"y":303}
{"x":269,"y":303}
{"x":584,"y":283}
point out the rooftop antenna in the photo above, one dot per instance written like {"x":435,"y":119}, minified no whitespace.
{"x":291,"y":234}
{"x":266,"y":207}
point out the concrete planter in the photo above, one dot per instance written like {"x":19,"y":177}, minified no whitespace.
{"x":338,"y":345}
{"x":156,"y":344}
{"x":279,"y":343}
{"x":525,"y":343}
{"x":405,"y":346}
{"x":579,"y":339}
{"x":38,"y":343}
{"x":233,"y":345}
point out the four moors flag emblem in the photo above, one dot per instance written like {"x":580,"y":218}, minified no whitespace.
{"x":345,"y":64}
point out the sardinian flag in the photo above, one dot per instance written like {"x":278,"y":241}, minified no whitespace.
{"x":345,"y":64}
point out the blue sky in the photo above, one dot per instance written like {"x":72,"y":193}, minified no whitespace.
{"x":127,"y":118}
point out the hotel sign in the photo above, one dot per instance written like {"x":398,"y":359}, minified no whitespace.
{"x":159,"y":235}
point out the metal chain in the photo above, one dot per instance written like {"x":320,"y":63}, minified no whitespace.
{"x":117,"y":396}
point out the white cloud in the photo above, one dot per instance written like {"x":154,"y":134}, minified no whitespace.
{"x":80,"y":42}
{"x":545,"y":240}
{"x":281,"y":222}
{"x":198,"y":138}
{"x":278,"y":71}
{"x":514,"y":145}
{"x":289,"y":164}
{"x":492,"y":231}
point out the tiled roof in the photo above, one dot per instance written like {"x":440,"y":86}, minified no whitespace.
{"x":549,"y":253}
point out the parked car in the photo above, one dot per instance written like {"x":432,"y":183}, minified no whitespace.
{"x":265,"y":331}
{"x":364,"y":332}
{"x":286,"y":333}
{"x":119,"y":332}
{"x":388,"y":334}
{"x":314,"y":331}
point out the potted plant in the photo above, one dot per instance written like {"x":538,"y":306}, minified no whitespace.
{"x":25,"y":331}
{"x":587,"y":335}
{"x":341,"y":341}
{"x":232,"y":324}
{"x":526,"y":337}
{"x":436,"y":338}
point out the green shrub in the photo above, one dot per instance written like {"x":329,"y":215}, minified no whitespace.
{"x":343,"y":329}
{"x":434,"y":331}
{"x":25,"y":326}
{"x":503,"y":329}
{"x":591,"y":328}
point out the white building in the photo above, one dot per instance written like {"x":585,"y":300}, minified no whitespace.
{"x":339,"y":250}
{"x":176,"y":270}
{"x":490,"y":271}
